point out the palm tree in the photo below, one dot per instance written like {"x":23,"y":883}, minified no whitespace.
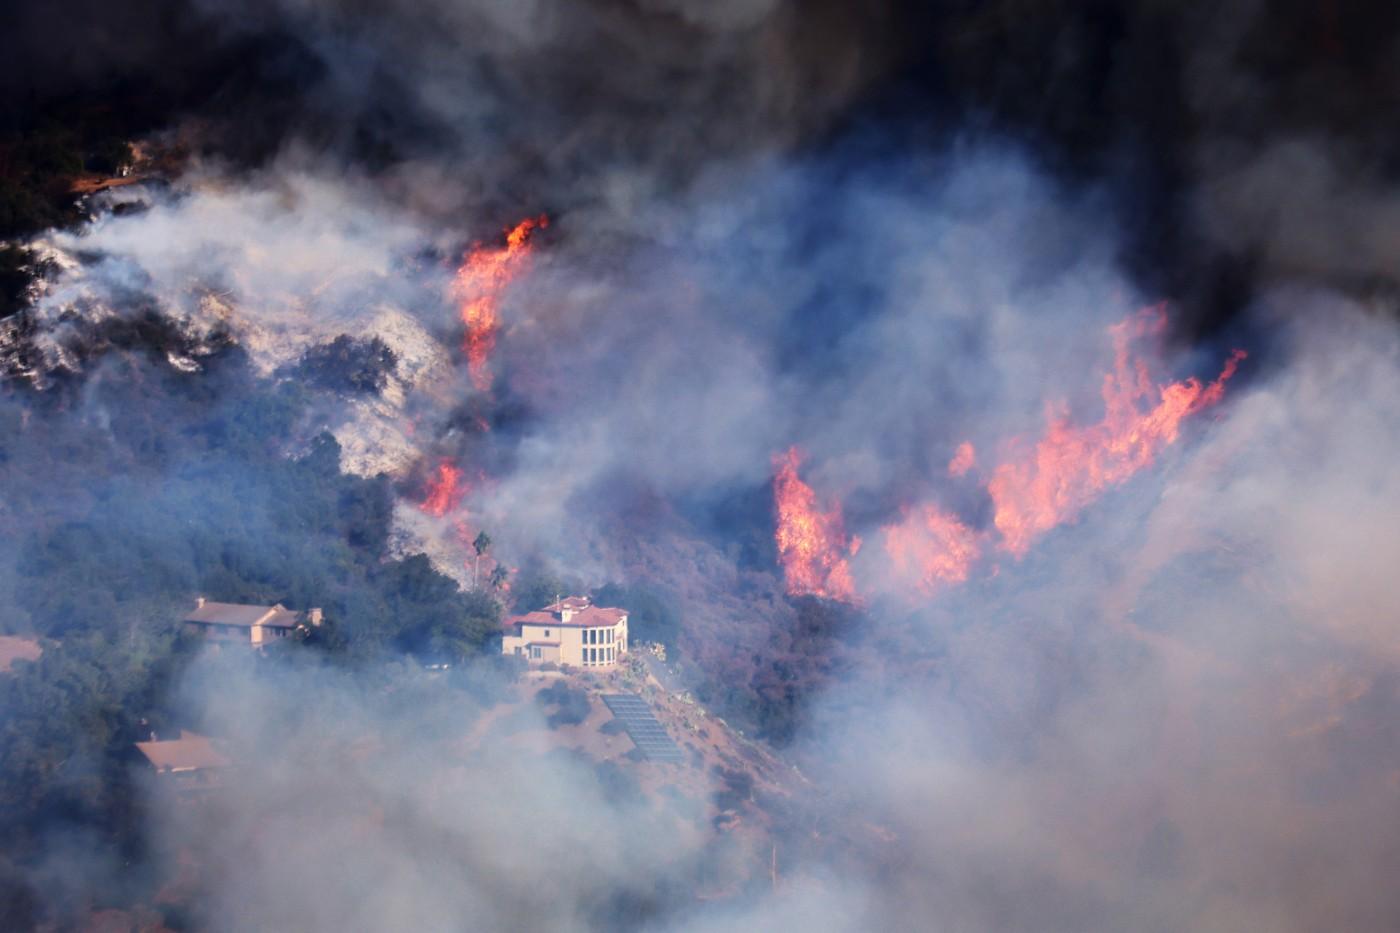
{"x":482,"y":542}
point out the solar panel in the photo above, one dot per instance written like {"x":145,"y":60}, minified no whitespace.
{"x":650,"y":737}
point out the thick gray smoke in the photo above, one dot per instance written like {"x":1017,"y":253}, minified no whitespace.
{"x":1175,"y":712}
{"x":1176,"y":715}
{"x":1175,"y":720}
{"x":352,"y":812}
{"x":1158,"y":719}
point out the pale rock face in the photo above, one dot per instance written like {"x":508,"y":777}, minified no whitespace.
{"x":375,"y":435}
{"x":416,"y":532}
{"x":273,"y":301}
{"x":373,"y":440}
{"x":61,"y":301}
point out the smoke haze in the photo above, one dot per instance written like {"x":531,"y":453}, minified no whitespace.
{"x":872,"y":237}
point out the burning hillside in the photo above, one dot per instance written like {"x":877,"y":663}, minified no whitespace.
{"x":1036,"y":488}
{"x":481,"y":278}
{"x":812,"y":544}
{"x":988,"y":602}
{"x":1072,"y":465}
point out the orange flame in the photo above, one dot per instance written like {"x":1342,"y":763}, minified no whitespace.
{"x":812,"y":544}
{"x":1049,"y":485}
{"x":445,"y":490}
{"x":931,"y":548}
{"x":1071,"y":465}
{"x":482,"y":277}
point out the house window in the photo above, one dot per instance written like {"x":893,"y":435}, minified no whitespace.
{"x":546,"y":633}
{"x":534,"y":651}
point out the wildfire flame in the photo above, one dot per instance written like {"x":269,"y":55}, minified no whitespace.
{"x":1071,"y":465}
{"x":931,"y":548}
{"x":1032,"y":492}
{"x":445,"y":490}
{"x":812,"y":544}
{"x":482,"y":277}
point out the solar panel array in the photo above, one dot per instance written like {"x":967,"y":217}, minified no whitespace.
{"x":647,"y":734}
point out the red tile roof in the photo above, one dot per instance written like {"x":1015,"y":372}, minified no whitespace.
{"x":597,"y":615}
{"x":588,"y":617}
{"x":569,"y":602}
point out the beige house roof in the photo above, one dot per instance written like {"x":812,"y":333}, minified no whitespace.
{"x":211,"y":613}
{"x":190,"y":752}
{"x":14,"y":648}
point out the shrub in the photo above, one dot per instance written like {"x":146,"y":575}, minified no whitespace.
{"x":571,"y":705}
{"x":349,"y":365}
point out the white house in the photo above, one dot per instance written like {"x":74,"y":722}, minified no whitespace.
{"x":571,"y":631}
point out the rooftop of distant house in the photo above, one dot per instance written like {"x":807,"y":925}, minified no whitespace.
{"x":14,"y":648}
{"x":570,"y":612}
{"x":571,"y":603}
{"x":189,"y":752}
{"x":276,"y":616}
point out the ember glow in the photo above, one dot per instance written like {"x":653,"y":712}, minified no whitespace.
{"x":481,"y":279}
{"x":445,"y":490}
{"x":1071,"y":465}
{"x":812,"y":543}
{"x":931,"y":548}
